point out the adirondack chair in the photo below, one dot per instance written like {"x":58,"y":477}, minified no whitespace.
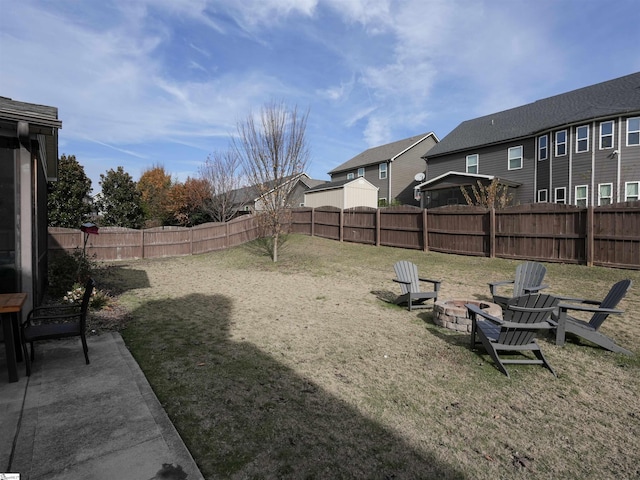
{"x":565,"y":323}
{"x":409,"y":281}
{"x":57,"y":321}
{"x":523,"y":318}
{"x":528,"y":279}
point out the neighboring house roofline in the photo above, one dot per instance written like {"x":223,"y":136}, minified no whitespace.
{"x":382,"y":153}
{"x":605,"y":100}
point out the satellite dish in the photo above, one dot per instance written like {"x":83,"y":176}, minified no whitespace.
{"x":419,"y":177}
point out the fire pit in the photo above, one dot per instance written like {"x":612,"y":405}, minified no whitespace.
{"x":452,"y":314}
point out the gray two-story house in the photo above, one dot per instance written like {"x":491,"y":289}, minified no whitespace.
{"x":393,"y":168}
{"x":578,"y":148}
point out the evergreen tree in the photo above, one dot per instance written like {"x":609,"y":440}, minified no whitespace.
{"x":119,"y":204}
{"x":69,"y":200}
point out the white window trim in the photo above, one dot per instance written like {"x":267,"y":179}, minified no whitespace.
{"x":361,"y":172}
{"x":543,"y":193}
{"x":626,"y":191}
{"x":540,"y":147}
{"x":521,"y":158}
{"x":477,"y":164}
{"x":600,"y":197}
{"x":613,"y":130}
{"x":578,"y":139}
{"x":350,"y":176}
{"x":382,"y":171}
{"x":633,"y":131}
{"x":564,"y":194}
{"x":586,"y":198}
{"x":561,"y":143}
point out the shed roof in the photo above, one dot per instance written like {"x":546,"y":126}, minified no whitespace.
{"x":382,"y":153}
{"x":337,"y":184}
{"x":614,"y":97}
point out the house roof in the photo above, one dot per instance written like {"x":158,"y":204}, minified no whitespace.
{"x":252,"y":193}
{"x":382,"y":153}
{"x":607,"y":99}
{"x":470,"y":176}
{"x":335,"y":185}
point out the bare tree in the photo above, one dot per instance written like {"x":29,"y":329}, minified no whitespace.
{"x":221,"y":171}
{"x":273,"y":151}
{"x":495,"y":194}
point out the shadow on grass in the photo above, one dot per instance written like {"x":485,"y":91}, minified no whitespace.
{"x":244,"y":414}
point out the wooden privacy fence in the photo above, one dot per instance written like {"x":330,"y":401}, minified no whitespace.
{"x":607,"y":235}
{"x":118,"y":243}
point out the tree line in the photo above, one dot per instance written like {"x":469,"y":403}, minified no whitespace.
{"x":269,"y":149}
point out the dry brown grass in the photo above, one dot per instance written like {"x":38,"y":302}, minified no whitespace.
{"x":299,"y":370}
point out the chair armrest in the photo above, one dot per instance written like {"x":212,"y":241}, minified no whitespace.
{"x":401,"y":281}
{"x":436,"y":283}
{"x":478,"y":311}
{"x":535,"y":289}
{"x":584,"y":308}
{"x":577,"y":300}
{"x":494,"y":285}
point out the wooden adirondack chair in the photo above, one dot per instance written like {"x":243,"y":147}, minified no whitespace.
{"x":409,"y":281}
{"x":57,"y":321}
{"x":565,"y":323}
{"x":523,"y":318}
{"x":528,"y":279}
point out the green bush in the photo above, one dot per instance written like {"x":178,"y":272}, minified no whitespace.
{"x":64,"y":270}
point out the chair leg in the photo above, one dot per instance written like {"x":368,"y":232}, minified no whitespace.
{"x":27,"y":358}
{"x":540,"y":356}
{"x":85,"y":348}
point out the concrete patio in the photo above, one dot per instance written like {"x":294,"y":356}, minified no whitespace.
{"x":73,"y":421}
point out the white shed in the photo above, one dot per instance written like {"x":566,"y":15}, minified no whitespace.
{"x":343,"y":194}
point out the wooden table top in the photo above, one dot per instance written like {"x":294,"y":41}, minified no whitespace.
{"x":12,"y":302}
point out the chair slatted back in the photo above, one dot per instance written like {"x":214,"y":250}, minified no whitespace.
{"x":617,"y":293}
{"x":407,"y":272}
{"x":528,"y":274}
{"x":538,"y":309}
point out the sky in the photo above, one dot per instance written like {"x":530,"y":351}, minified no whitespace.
{"x":144,"y":83}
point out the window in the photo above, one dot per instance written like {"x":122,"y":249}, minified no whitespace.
{"x":515,"y":158}
{"x":582,"y":195}
{"x":417,"y":195}
{"x":605,"y":194}
{"x":543,"y":147}
{"x":350,"y":176}
{"x":561,"y":143}
{"x":631,"y":191}
{"x":582,"y":139}
{"x":633,"y":131}
{"x":382,"y":171}
{"x":542,"y":196}
{"x":606,"y":135}
{"x":361,"y":172}
{"x":561,"y":195}
{"x":472,"y":163}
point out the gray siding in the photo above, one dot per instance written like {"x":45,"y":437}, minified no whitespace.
{"x":404,"y":169}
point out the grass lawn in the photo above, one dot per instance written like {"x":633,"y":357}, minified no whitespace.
{"x":300,"y":370}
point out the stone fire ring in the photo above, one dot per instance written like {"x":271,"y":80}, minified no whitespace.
{"x":452,"y":314}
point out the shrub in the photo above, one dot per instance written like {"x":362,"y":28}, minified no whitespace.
{"x":65,"y":270}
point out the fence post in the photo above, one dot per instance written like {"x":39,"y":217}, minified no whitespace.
{"x":313,"y":221}
{"x":589,"y":237}
{"x":142,"y":243}
{"x":341,"y":224}
{"x":226,"y":234}
{"x":378,"y":227}
{"x":492,"y":232}
{"x":190,"y":240}
{"x":425,"y":231}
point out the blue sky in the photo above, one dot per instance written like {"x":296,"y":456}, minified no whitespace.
{"x":140,"y":83}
